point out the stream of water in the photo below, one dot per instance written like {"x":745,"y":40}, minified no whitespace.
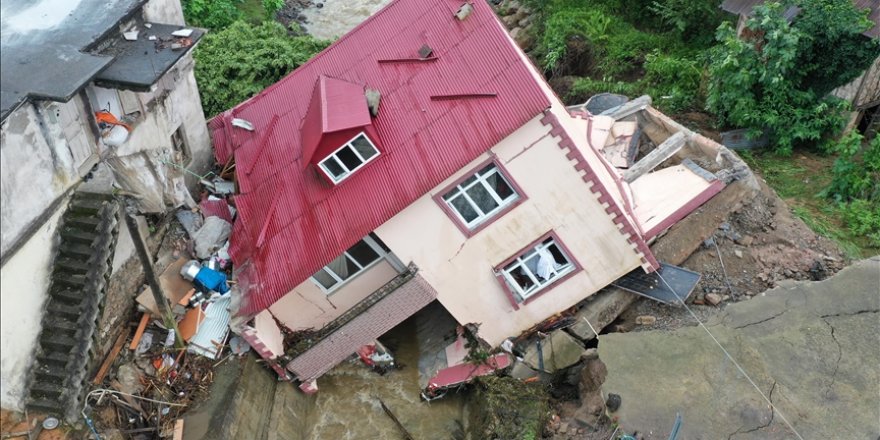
{"x":337,"y":17}
{"x":347,"y":405}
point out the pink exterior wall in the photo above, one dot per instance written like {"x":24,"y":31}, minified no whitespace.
{"x":307,"y":306}
{"x":461,"y":269}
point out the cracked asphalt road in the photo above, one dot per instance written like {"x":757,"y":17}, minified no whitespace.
{"x":813,"y":348}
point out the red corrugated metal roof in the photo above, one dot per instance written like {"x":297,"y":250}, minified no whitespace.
{"x":364,"y":329}
{"x":302,"y":222}
{"x":336,"y":105}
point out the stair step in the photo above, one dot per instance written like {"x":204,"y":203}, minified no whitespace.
{"x":55,"y":358}
{"x":48,"y":406}
{"x":70,"y":279}
{"x":65,"y":325}
{"x":50,"y":390}
{"x":67,"y":296}
{"x":86,"y":205}
{"x":64,"y":310}
{"x":76,"y":235}
{"x":87,"y":223}
{"x":75,"y":250}
{"x":58,"y":342}
{"x":75,"y":265}
{"x":51,"y":373}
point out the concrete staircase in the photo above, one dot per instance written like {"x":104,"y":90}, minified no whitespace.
{"x":82,"y":267}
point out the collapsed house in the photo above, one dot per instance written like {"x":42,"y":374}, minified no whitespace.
{"x":422,"y":158}
{"x":97,"y":98}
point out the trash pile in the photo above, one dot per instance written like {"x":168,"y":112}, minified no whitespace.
{"x":170,"y":359}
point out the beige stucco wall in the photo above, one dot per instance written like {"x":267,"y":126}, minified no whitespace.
{"x":307,"y":306}
{"x":461,"y":270}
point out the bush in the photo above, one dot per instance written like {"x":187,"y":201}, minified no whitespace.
{"x":691,"y":19}
{"x":776,"y":79}
{"x":211,"y":14}
{"x":238,"y":62}
{"x":855,"y":184}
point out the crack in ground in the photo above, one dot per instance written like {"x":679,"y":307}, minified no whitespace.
{"x":760,"y":427}
{"x":763,"y":320}
{"x":839,"y":356}
{"x":860,"y":312}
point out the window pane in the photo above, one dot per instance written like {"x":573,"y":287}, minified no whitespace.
{"x":531,"y":264}
{"x":557,"y":254}
{"x":482,"y":198}
{"x":343,"y":267}
{"x":468,"y":181}
{"x":324,"y":279}
{"x":348,"y":158}
{"x":487,"y":169}
{"x":500,"y":186}
{"x":363,"y":253}
{"x":464,"y":209}
{"x":364,"y":147}
{"x":330,"y":165}
{"x":521,"y":279}
{"x":448,"y":196}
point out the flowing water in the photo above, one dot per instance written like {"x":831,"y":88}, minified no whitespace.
{"x":347,"y":404}
{"x":337,"y":17}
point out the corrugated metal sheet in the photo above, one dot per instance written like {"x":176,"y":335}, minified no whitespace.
{"x":305,"y":222}
{"x":745,"y":7}
{"x":366,"y":327}
{"x":216,"y":208}
{"x":213,"y":329}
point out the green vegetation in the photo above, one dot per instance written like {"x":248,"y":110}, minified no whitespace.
{"x":219,"y":14}
{"x":637,"y":47}
{"x":855,"y":185}
{"x":775,"y":79}
{"x":801,"y":180}
{"x":241,"y":60}
{"x":505,"y":408}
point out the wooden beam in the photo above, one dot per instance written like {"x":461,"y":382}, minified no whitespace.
{"x":663,"y":151}
{"x":628,"y":108}
{"x":114,"y":352}
{"x":139,"y":333}
{"x":178,"y":430}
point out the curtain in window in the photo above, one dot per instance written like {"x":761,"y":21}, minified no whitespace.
{"x":339,"y":266}
{"x":546,"y":264}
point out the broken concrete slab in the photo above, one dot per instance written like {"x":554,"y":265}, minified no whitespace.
{"x":191,"y":221}
{"x":211,"y":236}
{"x":560,"y":351}
{"x":810,"y":347}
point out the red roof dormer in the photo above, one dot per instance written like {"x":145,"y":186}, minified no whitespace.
{"x":337,"y":135}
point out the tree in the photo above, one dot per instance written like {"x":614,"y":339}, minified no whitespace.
{"x":240,"y":61}
{"x":776,"y":79}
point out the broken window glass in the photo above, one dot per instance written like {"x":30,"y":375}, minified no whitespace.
{"x":536,"y":268}
{"x":354,"y":261}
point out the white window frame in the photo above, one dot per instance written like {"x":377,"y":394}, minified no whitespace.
{"x":383,"y":255}
{"x":460,"y":190}
{"x":348,"y":172}
{"x":519,"y":261}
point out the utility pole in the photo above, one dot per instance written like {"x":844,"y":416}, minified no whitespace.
{"x":150,"y":274}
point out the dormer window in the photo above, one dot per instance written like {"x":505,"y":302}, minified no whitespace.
{"x":349,"y":157}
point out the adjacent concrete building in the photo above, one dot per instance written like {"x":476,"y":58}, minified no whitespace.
{"x":94,"y":91}
{"x":421,"y":158}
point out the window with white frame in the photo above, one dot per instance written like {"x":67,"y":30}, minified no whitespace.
{"x":354,"y":261}
{"x":348,"y":158}
{"x":481,"y":196}
{"x":537,"y":268}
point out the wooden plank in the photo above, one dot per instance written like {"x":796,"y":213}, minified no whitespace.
{"x":663,"y":151}
{"x":406,"y":434}
{"x":145,"y":319}
{"x":128,"y":399}
{"x":114,"y":352}
{"x":178,"y":430}
{"x":628,"y":108}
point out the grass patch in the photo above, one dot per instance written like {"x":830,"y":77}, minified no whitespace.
{"x":799,"y":180}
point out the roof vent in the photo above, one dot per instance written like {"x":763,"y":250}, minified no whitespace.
{"x":373,"y":97}
{"x":464,"y":11}
{"x":425,"y":51}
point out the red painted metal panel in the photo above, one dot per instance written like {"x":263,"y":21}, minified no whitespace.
{"x":423,"y":142}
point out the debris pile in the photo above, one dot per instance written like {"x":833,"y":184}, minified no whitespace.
{"x":182,"y":334}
